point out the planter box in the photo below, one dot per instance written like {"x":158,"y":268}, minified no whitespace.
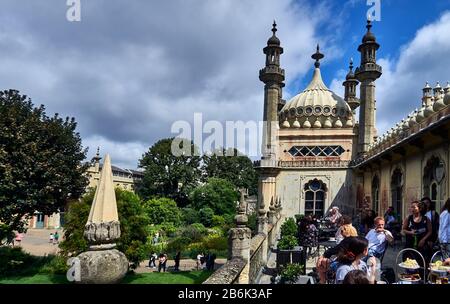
{"x":297,"y":255}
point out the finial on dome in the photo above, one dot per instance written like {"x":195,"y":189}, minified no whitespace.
{"x":274,"y":27}
{"x":369,"y":24}
{"x":317,"y":56}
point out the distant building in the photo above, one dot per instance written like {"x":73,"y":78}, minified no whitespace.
{"x":122,"y":178}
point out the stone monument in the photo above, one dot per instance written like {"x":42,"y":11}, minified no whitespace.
{"x":102,"y":263}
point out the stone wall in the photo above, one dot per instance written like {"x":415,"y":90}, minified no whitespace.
{"x":228,"y":273}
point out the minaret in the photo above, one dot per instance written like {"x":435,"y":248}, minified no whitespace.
{"x":350,"y":85}
{"x":367,"y":73}
{"x":96,"y":159}
{"x":273,"y":76}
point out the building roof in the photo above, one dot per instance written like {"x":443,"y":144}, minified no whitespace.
{"x":316,"y":107}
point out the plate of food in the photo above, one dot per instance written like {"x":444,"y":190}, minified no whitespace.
{"x":409,"y":264}
{"x":438,"y":267}
{"x":410,"y":277}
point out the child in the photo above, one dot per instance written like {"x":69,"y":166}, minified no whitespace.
{"x":350,"y":258}
{"x":52,"y":238}
{"x":56,"y":238}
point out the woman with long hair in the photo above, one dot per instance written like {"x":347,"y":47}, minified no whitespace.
{"x":350,"y":258}
{"x":417,"y":229}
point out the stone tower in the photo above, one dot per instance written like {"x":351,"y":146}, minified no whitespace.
{"x":367,"y":73}
{"x":273,"y":76}
{"x":350,"y":85}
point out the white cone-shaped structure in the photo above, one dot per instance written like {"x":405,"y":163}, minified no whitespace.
{"x":104,"y":206}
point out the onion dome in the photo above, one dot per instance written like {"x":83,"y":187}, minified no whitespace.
{"x":338,"y":123}
{"x":327,"y":123}
{"x":307,"y":124}
{"x":420,"y":115}
{"x":447,"y":94}
{"x":350,"y":74}
{"x":369,"y":36}
{"x":316,"y":101}
{"x":274,"y":39}
{"x":428,"y":110}
{"x":296,"y":124}
{"x":286,"y":124}
{"x":317,"y":123}
{"x":349,"y":123}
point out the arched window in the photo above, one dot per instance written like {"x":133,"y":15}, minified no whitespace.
{"x":433,"y":177}
{"x":315,"y":197}
{"x":397,"y":191}
{"x":376,"y":193}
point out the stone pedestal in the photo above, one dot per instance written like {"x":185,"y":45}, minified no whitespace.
{"x":102,"y":267}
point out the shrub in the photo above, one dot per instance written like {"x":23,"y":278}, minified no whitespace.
{"x":190,"y":216}
{"x":287,"y":242}
{"x":291,"y":272}
{"x":206,"y":216}
{"x":194,"y":232}
{"x":289,"y":227}
{"x":217,"y":220}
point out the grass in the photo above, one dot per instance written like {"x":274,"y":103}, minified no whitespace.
{"x":182,"y":277}
{"x":36,"y":279}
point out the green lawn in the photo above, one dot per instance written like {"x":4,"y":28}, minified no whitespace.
{"x":36,"y":279}
{"x":182,"y":277}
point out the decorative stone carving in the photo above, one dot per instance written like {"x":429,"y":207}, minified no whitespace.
{"x":102,"y":233}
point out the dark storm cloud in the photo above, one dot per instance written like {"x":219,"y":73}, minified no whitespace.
{"x":129,"y":69}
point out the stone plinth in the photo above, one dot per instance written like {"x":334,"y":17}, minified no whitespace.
{"x":102,"y":267}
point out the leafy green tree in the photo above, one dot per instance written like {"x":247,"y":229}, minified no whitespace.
{"x":206,"y":216}
{"x":233,"y":166}
{"x":41,"y":159}
{"x":169,"y":175}
{"x":163,"y":210}
{"x":218,"y":194}
{"x":190,"y":216}
{"x":133,"y":226}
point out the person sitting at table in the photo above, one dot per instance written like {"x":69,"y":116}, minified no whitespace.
{"x":334,"y":216}
{"x":378,"y":237}
{"x":324,"y":261}
{"x":346,"y":229}
{"x":350,"y":258}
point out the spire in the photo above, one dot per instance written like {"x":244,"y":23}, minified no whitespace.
{"x":97,"y":157}
{"x":350,"y":74}
{"x":104,"y":206}
{"x":274,"y":39}
{"x":369,"y":36}
{"x":317,"y":56}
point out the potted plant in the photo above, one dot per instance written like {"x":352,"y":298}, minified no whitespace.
{"x":290,"y":273}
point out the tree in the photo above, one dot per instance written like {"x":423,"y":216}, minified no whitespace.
{"x":41,"y":159}
{"x":218,"y":194}
{"x":168,"y":175}
{"x":233,"y":166}
{"x":163,"y":211}
{"x":133,"y":226}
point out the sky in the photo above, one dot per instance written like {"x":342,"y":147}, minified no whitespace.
{"x":129,"y":69}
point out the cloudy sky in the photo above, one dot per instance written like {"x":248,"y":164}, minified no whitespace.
{"x":129,"y":69}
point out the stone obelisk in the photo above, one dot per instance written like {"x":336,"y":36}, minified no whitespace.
{"x":102,"y":263}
